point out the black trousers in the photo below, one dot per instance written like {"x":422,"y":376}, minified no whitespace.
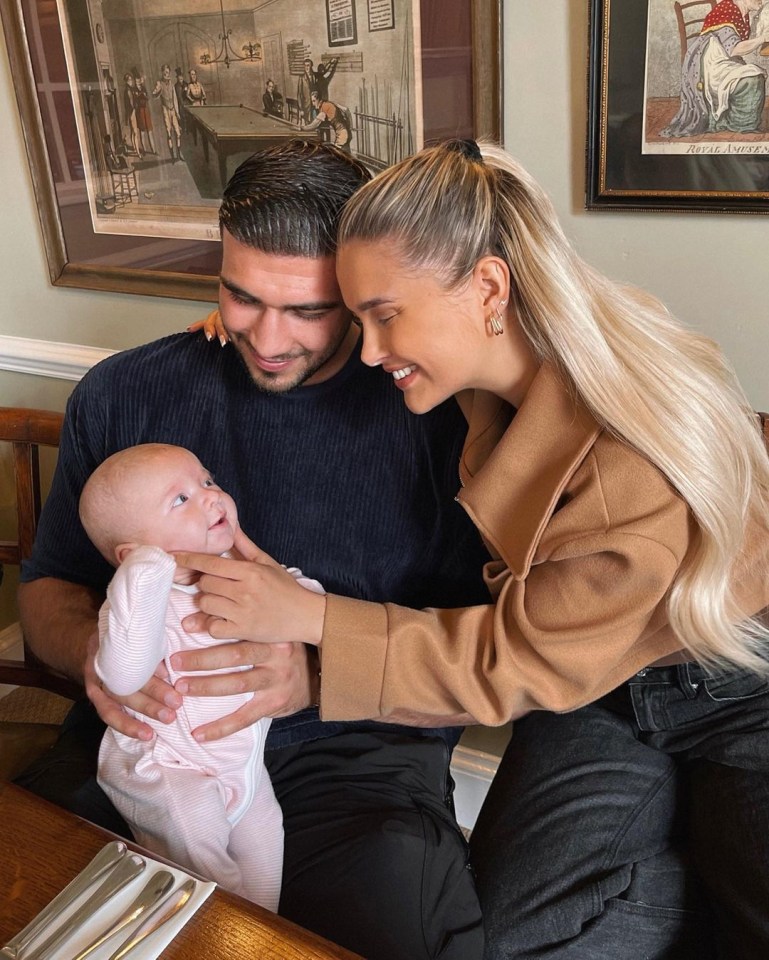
{"x":374,"y":860}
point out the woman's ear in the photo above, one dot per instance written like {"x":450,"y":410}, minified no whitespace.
{"x":492,"y":277}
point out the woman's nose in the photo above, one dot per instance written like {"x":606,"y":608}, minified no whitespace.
{"x":372,"y":352}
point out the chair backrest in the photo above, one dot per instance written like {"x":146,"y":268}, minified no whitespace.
{"x":690,"y":16}
{"x":26,"y":430}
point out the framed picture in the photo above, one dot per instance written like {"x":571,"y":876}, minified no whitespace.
{"x":133,"y":124}
{"x":342,"y":26}
{"x":678,"y":109}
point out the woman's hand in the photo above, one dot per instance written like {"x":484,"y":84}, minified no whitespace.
{"x":212,"y":327}
{"x":253,"y":599}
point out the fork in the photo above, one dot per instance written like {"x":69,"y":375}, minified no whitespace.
{"x":104,"y":860}
{"x":154,"y":889}
{"x":126,"y":870}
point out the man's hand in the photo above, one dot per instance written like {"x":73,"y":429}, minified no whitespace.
{"x":283,"y":679}
{"x":157,"y":699}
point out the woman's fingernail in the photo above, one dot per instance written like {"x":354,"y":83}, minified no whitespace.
{"x":209,"y":336}
{"x":182,"y":687}
{"x":165,"y":716}
{"x":223,"y":340}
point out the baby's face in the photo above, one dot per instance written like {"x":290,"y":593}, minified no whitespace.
{"x":181,"y":508}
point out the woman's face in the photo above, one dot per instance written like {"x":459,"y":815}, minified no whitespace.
{"x":431,"y":340}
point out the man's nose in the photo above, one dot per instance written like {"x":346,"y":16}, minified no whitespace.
{"x":269,"y":334}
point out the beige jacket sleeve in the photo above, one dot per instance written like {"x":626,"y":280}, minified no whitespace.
{"x":587,"y":613}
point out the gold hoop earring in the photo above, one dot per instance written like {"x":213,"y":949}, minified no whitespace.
{"x":496,"y":319}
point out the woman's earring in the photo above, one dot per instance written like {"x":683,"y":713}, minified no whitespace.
{"x":496,"y":319}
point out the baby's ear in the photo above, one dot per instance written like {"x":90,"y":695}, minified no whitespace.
{"x":122,"y":550}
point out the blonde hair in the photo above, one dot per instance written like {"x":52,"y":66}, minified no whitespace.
{"x":664,"y":390}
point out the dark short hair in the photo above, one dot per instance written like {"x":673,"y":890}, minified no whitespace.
{"x":287,"y":200}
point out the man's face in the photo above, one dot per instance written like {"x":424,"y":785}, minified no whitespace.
{"x":284,"y":315}
{"x":308,"y":66}
{"x":167,"y":73}
{"x":193,"y":76}
{"x":315,"y":99}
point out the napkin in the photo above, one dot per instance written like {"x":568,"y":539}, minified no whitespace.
{"x":155,"y":943}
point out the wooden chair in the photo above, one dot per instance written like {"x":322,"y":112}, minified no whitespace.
{"x":690,"y":20}
{"x":26,"y":431}
{"x":293,"y":113}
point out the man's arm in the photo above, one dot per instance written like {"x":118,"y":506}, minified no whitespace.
{"x":58,"y":619}
{"x":60,"y":624}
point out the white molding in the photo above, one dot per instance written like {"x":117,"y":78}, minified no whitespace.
{"x":47,"y":358}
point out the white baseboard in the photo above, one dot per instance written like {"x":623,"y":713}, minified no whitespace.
{"x":473,"y":771}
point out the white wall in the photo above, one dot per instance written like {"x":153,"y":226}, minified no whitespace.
{"x":709,"y":269}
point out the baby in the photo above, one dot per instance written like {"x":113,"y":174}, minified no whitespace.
{"x":207,"y":806}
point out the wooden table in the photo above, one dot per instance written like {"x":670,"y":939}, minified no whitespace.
{"x":230,"y":134}
{"x":43,"y":847}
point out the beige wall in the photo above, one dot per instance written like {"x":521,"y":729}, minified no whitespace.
{"x":709,"y":269}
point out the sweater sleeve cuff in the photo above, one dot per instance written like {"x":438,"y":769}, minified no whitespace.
{"x":353,"y":653}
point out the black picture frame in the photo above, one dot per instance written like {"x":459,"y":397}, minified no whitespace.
{"x":349,"y":23}
{"x":621,"y":124}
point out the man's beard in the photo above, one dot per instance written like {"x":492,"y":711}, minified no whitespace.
{"x":274,"y":383}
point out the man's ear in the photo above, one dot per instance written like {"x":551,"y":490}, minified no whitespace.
{"x":492,"y":276}
{"x":122,"y":550}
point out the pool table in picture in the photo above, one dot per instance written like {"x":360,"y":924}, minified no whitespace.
{"x":227,"y":132}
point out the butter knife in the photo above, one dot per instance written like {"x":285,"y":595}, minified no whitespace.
{"x":156,"y":887}
{"x":104,"y":860}
{"x":126,"y":870}
{"x":166,"y":909}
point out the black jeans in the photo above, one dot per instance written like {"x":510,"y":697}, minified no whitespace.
{"x":374,"y":859}
{"x":636,"y":827}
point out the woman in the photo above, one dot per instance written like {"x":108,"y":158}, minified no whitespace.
{"x":617,"y":474}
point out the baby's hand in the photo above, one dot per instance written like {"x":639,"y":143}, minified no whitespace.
{"x":212,"y":327}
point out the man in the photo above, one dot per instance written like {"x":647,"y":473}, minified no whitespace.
{"x":165,"y":89}
{"x":195,"y":94}
{"x":323,"y":76}
{"x":272,"y":101}
{"x":337,"y":117}
{"x":331,"y":473}
{"x":304,"y":87}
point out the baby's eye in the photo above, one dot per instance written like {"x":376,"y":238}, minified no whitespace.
{"x":208,"y":483}
{"x":182,"y":498}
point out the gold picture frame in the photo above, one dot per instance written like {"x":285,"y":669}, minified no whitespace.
{"x":462,"y":96}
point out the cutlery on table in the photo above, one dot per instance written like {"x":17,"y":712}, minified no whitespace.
{"x":127,"y":869}
{"x":157,"y":885}
{"x":166,"y":909}
{"x":104,"y":860}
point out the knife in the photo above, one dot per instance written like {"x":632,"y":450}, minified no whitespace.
{"x":166,"y":909}
{"x":126,"y":870}
{"x":104,"y":860}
